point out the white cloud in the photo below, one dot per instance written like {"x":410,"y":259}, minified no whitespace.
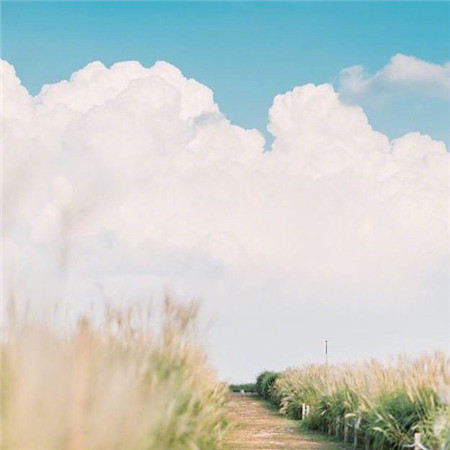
{"x":402,"y":73}
{"x":132,"y":177}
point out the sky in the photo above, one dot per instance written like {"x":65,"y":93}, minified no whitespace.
{"x":285,"y":164}
{"x":246,"y":52}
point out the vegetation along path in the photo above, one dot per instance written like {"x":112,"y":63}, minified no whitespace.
{"x":258,"y":426}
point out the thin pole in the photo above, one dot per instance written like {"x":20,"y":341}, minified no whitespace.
{"x":326,"y":353}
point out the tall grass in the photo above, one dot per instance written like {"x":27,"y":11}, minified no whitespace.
{"x":389,"y":401}
{"x":118,"y":385}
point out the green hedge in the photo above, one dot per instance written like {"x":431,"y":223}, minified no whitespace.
{"x":246,"y":387}
{"x":264,"y":384}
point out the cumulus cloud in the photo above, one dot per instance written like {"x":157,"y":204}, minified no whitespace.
{"x":132,"y":178}
{"x":402,"y":74}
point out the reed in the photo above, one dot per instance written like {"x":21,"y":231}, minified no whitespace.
{"x":119,"y":384}
{"x":390,"y":401}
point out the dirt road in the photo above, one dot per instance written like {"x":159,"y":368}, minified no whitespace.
{"x":258,"y":427}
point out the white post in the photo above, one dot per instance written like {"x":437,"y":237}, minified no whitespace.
{"x":303,"y":411}
{"x":242,"y":391}
{"x":417,"y":441}
{"x":355,"y":439}
{"x":307,"y":410}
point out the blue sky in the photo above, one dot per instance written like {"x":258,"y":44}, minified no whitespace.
{"x":247,"y":52}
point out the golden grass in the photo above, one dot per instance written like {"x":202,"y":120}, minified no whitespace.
{"x":117,"y":385}
{"x":392,"y":400}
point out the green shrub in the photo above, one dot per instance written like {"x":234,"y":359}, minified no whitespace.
{"x":246,"y":387}
{"x":264,"y":383}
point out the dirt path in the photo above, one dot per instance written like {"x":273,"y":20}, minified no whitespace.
{"x":257,"y":427}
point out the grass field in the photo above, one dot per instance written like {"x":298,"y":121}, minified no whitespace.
{"x":125,"y":382}
{"x":387,"y":402}
{"x":116,"y":385}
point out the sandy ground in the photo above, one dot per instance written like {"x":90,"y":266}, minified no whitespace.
{"x":258,"y":427}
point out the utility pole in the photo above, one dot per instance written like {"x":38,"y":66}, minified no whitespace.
{"x":326,"y":353}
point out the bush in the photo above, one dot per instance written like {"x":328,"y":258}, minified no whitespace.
{"x":246,"y":387}
{"x":264,"y":383}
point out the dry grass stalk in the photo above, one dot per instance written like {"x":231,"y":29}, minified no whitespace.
{"x":120,"y":384}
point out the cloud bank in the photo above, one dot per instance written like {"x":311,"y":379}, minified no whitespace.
{"x":131,"y":179}
{"x":402,"y":74}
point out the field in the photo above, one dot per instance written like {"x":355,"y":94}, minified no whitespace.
{"x":377,"y":405}
{"x":126,"y":381}
{"x":120,"y":384}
